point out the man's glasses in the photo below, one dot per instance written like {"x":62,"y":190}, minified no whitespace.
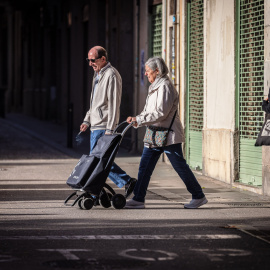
{"x":92,"y":60}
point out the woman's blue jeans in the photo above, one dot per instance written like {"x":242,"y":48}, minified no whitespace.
{"x":117,"y":175}
{"x":148,"y":163}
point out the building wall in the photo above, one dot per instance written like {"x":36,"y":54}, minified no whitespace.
{"x":266,"y":170}
{"x":182,"y":60}
{"x":219,"y":89}
{"x":46,"y":46}
{"x":77,"y":60}
{"x":179,"y":25}
{"x":266,"y":149}
{"x":141,"y":55}
{"x":220,"y":134}
{"x":120,"y":42}
{"x":76,"y":84}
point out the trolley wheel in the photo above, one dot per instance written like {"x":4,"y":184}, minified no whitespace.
{"x":87,"y":203}
{"x":80,"y":203}
{"x":105,"y":199}
{"x":118,"y":201}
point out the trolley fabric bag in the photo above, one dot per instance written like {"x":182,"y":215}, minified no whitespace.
{"x":264,"y":135}
{"x":82,"y":171}
{"x":91,"y":172}
{"x":105,"y":152}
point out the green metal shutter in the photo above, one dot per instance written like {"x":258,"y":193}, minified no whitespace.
{"x":195,"y":84}
{"x":157,"y":30}
{"x":251,"y":88}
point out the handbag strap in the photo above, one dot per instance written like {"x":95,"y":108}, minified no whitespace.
{"x":172,"y":120}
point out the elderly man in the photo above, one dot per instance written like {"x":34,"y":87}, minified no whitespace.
{"x":104,"y":112}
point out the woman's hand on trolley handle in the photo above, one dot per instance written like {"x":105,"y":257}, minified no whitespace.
{"x":132,"y":120}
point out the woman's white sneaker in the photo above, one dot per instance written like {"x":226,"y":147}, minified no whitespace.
{"x":132,"y":204}
{"x":195,"y":203}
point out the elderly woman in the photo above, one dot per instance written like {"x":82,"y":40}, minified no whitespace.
{"x":159,"y":111}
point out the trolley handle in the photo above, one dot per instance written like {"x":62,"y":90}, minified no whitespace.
{"x":121,"y":124}
{"x":125,"y":129}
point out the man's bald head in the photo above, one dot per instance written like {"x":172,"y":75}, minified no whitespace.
{"x":99,"y":52}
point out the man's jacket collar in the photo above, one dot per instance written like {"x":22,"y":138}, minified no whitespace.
{"x":108,"y":65}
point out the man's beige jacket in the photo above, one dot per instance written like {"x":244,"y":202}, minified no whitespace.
{"x":105,"y":102}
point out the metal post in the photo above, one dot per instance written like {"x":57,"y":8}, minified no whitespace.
{"x":2,"y":102}
{"x":70,"y":125}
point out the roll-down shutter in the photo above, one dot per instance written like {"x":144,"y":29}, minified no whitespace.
{"x":157,"y":30}
{"x":195,"y":84}
{"x":251,"y":88}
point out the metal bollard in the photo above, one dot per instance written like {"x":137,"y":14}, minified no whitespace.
{"x":70,"y":125}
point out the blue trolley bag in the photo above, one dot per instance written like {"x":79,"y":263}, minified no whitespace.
{"x":82,"y":171}
{"x":105,"y":151}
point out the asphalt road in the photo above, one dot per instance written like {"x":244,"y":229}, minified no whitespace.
{"x":37,"y":231}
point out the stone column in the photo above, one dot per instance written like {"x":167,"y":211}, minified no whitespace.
{"x":10,"y":40}
{"x":266,"y":149}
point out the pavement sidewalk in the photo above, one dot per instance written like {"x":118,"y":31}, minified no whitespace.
{"x":165,"y":182}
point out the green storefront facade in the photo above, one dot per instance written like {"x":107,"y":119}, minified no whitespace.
{"x":249,"y":86}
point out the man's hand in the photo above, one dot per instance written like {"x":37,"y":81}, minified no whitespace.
{"x":83,"y":127}
{"x":131,"y":119}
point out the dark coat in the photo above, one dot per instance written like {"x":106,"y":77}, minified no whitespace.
{"x":266,"y":106}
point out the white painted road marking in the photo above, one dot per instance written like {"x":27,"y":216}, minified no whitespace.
{"x":215,"y":255}
{"x":7,"y":258}
{"x":68,"y":254}
{"x":125,"y":237}
{"x":170,"y":256}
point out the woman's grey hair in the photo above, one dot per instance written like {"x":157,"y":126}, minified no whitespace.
{"x":158,"y":63}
